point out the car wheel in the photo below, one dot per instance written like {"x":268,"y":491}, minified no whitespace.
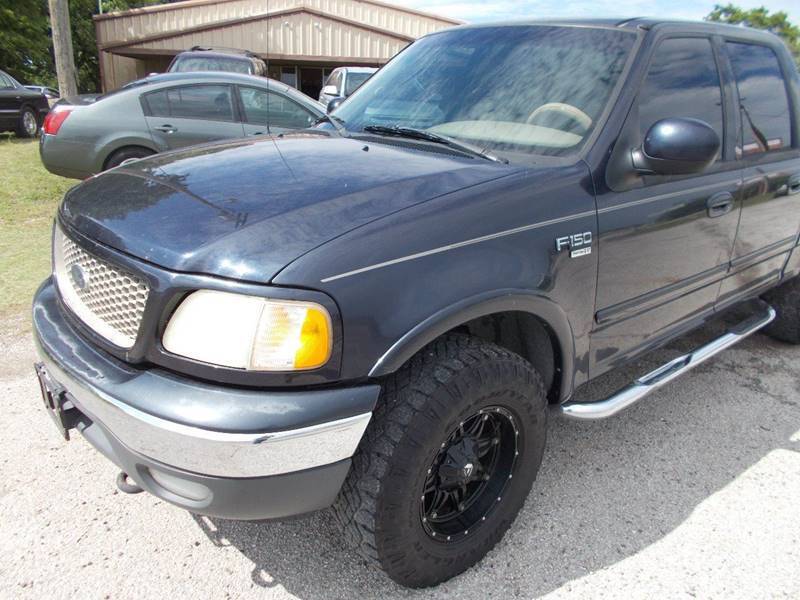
{"x":28,"y":125}
{"x":447,"y":461}
{"x":786,"y":301}
{"x":125,"y":154}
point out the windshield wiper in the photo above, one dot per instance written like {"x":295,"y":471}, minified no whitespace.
{"x":337,"y":123}
{"x":437,"y":138}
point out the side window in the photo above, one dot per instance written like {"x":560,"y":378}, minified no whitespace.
{"x":256,"y":105}
{"x":762,"y":93}
{"x":284,"y":112}
{"x":5,"y":82}
{"x":157,"y":104}
{"x":336,"y":80}
{"x":205,"y":102}
{"x":682,"y":81}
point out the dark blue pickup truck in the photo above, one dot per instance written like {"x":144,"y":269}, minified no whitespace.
{"x":378,"y":313}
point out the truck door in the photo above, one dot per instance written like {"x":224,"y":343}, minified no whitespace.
{"x":191,"y":114}
{"x":770,"y":218}
{"x":665,"y":242}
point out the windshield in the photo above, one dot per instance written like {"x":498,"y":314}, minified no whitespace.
{"x":354,"y":81}
{"x":534,"y":89}
{"x":186,"y":64}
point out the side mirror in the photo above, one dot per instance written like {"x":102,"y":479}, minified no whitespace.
{"x":330,"y":90}
{"x":334,"y":104}
{"x":677,"y":146}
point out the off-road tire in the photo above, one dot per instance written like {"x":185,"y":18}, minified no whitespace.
{"x":378,"y":507}
{"x":23,"y":130}
{"x":123,"y":154}
{"x":786,"y":301}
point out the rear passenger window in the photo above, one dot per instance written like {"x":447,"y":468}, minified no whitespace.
{"x":762,"y":93}
{"x":683,"y":81}
{"x":205,"y":102}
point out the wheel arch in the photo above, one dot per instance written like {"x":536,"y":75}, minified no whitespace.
{"x":111,"y":149}
{"x":540,"y":317}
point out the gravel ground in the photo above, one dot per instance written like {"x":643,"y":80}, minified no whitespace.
{"x":691,"y":493}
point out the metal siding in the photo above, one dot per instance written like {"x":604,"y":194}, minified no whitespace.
{"x":293,"y":35}
{"x":137,"y":25}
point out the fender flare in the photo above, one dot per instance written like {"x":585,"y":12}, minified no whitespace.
{"x":481,"y":305}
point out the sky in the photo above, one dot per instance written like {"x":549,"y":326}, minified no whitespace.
{"x":488,"y":10}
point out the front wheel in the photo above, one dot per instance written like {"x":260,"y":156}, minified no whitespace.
{"x":447,"y":462}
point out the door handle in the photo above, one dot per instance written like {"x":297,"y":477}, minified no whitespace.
{"x":794,"y":184}
{"x":258,"y":133}
{"x":167,"y":129}
{"x":720,"y":204}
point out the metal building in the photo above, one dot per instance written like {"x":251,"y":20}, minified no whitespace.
{"x":302,"y":40}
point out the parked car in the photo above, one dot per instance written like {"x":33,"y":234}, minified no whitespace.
{"x":51,"y":94}
{"x":218,"y":59}
{"x":165,"y":112}
{"x":377,"y":316}
{"x":344,"y":81}
{"x":21,"y":110}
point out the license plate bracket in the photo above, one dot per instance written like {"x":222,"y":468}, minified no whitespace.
{"x":56,"y":402}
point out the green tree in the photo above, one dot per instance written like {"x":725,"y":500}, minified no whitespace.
{"x":26,"y":50}
{"x":760,"y":18}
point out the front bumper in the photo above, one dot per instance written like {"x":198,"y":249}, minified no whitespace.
{"x":218,"y":450}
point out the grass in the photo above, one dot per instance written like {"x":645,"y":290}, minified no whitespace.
{"x":29,"y":196}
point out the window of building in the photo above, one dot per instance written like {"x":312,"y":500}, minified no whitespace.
{"x":762,"y":92}
{"x":682,"y":81}
{"x":289,"y":76}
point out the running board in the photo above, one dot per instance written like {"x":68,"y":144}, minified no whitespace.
{"x":663,"y":375}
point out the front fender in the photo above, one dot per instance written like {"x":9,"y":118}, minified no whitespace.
{"x":481,"y":305}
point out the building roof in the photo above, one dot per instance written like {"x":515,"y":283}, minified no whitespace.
{"x":365,"y":32}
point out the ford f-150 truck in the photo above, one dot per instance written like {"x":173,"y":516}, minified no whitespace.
{"x":378,"y":313}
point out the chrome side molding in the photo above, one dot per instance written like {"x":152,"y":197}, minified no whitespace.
{"x":644,"y":386}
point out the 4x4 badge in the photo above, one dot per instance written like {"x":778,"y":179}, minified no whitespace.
{"x":580,"y":244}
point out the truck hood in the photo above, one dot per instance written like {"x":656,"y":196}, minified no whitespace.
{"x":246,"y":209}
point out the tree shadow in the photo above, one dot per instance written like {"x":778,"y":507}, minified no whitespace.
{"x":606,"y":491}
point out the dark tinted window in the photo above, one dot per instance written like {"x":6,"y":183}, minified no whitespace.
{"x":206,"y":102}
{"x":765,"y":106}
{"x":682,"y":81}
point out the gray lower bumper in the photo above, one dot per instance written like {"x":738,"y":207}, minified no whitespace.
{"x":161,"y":419}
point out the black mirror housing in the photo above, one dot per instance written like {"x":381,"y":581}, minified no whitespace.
{"x":333,"y":104}
{"x":677,"y":146}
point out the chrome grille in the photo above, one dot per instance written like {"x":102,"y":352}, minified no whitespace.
{"x":108,"y":299}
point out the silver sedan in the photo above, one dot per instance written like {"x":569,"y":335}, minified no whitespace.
{"x":87,"y":135}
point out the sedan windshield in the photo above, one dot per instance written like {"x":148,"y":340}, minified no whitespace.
{"x":533,"y":89}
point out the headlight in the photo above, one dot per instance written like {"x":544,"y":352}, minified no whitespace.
{"x":248,"y":332}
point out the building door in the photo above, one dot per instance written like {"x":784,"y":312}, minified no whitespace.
{"x":311,"y":81}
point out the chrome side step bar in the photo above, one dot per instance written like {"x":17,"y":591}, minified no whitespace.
{"x":663,"y":375}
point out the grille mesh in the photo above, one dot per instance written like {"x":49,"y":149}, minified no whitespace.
{"x":108,"y":299}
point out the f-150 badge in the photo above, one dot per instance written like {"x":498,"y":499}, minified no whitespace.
{"x":580,"y":244}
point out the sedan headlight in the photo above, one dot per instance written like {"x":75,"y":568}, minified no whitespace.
{"x":248,"y":332}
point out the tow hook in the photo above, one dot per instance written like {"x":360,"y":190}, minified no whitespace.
{"x":126,"y":484}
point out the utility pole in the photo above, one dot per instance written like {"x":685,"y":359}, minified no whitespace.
{"x":62,"y":45}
